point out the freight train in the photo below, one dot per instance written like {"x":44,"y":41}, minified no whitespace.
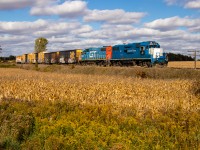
{"x":146,"y":53}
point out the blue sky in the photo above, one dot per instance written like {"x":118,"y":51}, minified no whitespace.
{"x":70,"y":24}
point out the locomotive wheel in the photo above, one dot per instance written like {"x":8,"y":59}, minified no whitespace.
{"x":119,"y":64}
{"x":134,"y":63}
{"x":148,"y":64}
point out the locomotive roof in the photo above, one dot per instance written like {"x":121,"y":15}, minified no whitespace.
{"x":145,"y":43}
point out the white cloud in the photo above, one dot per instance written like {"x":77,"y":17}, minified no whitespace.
{"x":82,"y":29}
{"x":195,"y":29}
{"x":61,"y":40}
{"x":14,"y":39}
{"x":45,"y":2}
{"x":117,"y":16}
{"x":176,"y":2}
{"x":173,"y":23}
{"x":18,"y":37}
{"x":43,"y":28}
{"x":22,"y":27}
{"x":117,"y":27}
{"x":16,"y":45}
{"x":195,"y":4}
{"x":174,"y":39}
{"x":191,"y":4}
{"x":57,"y":28}
{"x":17,"y":4}
{"x":66,"y":9}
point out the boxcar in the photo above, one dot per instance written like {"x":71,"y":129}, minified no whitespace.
{"x":40,"y":57}
{"x":47,"y":57}
{"x":18,"y":59}
{"x":31,"y":58}
{"x":54,"y":57}
{"x":70,"y":56}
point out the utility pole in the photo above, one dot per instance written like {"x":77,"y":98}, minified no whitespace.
{"x":195,"y":57}
{"x":0,"y":50}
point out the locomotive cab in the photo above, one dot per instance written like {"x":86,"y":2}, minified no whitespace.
{"x":157,"y":55}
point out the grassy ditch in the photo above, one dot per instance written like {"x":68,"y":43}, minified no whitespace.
{"x":138,"y":72}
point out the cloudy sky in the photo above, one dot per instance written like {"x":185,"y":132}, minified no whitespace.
{"x":69,"y":24}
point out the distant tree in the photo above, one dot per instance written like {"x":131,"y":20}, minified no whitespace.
{"x":40,"y":44}
{"x":179,"y":57}
{"x":11,"y":57}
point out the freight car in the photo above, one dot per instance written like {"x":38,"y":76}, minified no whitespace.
{"x":18,"y":59}
{"x":70,"y":56}
{"x":146,"y":53}
{"x":60,"y":57}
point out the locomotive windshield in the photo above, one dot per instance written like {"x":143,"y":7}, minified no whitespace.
{"x":154,"y":46}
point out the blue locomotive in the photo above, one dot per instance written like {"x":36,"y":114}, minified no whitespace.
{"x":146,"y":53}
{"x":94,"y":56}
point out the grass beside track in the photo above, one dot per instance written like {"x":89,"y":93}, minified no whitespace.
{"x":138,"y":72}
{"x":8,"y":65}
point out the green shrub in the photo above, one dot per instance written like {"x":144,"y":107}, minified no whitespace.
{"x":94,"y":127}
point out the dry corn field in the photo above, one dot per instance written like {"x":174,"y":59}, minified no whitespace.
{"x":146,"y":94}
{"x":183,"y":64}
{"x":145,"y":100}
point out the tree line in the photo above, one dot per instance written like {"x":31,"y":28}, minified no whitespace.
{"x":179,"y":57}
{"x":11,"y":57}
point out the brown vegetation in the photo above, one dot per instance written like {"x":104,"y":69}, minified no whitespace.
{"x":183,"y":64}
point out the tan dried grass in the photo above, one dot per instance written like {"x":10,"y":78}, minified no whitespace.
{"x":183,"y":64}
{"x":142,"y":94}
